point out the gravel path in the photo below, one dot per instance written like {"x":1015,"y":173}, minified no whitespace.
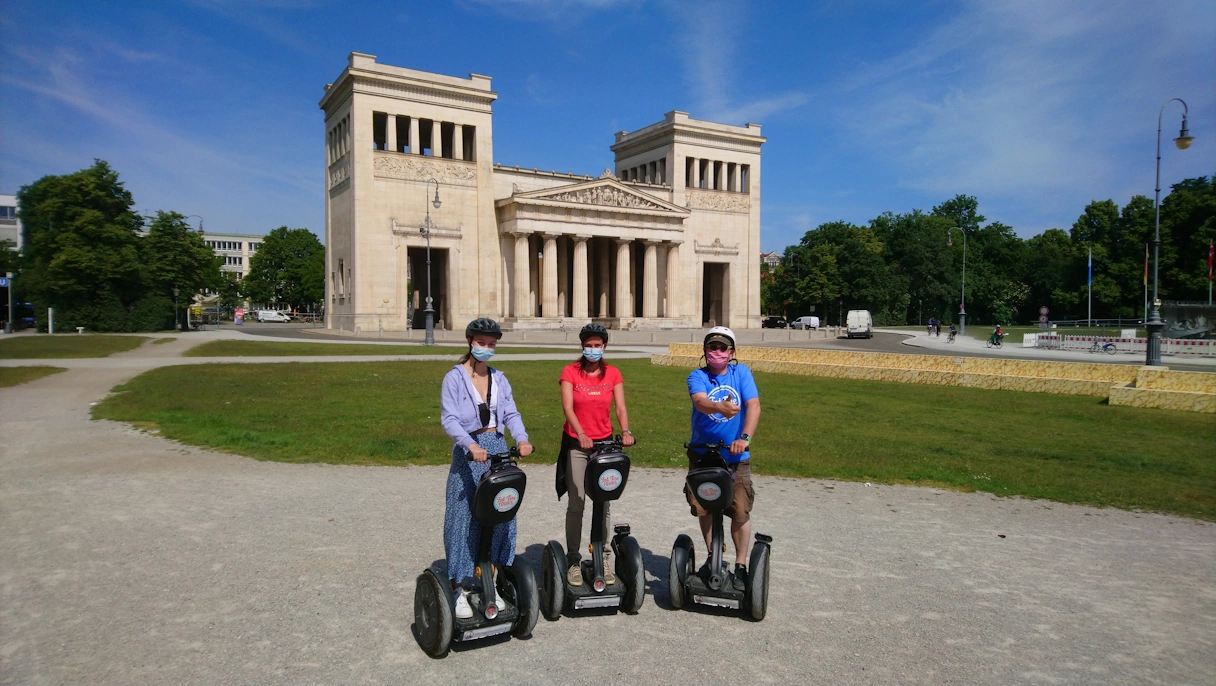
{"x":128,"y":559}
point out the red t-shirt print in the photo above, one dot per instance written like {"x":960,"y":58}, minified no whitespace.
{"x":592,"y":399}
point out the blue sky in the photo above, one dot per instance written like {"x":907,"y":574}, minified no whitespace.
{"x":209,"y":107}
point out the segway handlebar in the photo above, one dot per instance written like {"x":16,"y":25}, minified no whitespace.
{"x":611,"y":443}
{"x":720,"y":445}
{"x":494,"y":458}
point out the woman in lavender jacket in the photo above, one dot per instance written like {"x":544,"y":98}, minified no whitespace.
{"x":476,"y":403}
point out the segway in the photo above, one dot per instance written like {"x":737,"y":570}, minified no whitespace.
{"x":607,"y":473}
{"x":499,"y":494}
{"x":713,"y":486}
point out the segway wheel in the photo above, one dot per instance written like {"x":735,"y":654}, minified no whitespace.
{"x":757,"y":582}
{"x":552,"y":581}
{"x":629,"y":567}
{"x":677,"y":572}
{"x":433,"y":613}
{"x":521,"y":577}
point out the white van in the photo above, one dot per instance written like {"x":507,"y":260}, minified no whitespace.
{"x":860,"y":323}
{"x":272,"y":316}
{"x":805,"y":323}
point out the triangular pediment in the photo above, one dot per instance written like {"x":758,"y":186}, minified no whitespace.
{"x":601,"y":192}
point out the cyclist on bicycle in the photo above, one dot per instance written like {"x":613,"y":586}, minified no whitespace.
{"x":932,"y":324}
{"x":997,"y":334}
{"x":953,"y":332}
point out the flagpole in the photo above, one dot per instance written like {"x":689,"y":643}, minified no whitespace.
{"x":1089,"y":319}
{"x":1146,"y":283}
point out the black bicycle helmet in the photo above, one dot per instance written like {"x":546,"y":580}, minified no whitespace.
{"x":483,"y":326}
{"x":593,"y":330}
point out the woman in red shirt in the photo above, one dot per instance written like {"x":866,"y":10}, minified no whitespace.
{"x":589,"y":387}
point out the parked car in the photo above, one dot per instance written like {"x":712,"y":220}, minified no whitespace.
{"x":860,"y":324}
{"x":272,"y":316}
{"x":773,"y":323}
{"x":805,"y":323}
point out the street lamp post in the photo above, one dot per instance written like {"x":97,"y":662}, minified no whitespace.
{"x":1154,"y":323}
{"x":425,"y":230}
{"x":962,"y":307}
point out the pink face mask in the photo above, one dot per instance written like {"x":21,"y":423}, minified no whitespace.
{"x":718,"y":358}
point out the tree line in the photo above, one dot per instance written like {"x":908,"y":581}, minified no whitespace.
{"x":906,"y":268}
{"x":101,"y":265}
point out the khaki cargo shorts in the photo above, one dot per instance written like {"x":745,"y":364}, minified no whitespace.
{"x":745,"y":494}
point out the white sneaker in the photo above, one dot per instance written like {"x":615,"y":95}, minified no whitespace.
{"x":463,"y":609}
{"x":502,"y":604}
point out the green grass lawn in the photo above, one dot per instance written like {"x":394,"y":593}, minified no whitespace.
{"x":286,"y":348}
{"x":43,"y":346}
{"x":1066,"y":448}
{"x":14,"y":376}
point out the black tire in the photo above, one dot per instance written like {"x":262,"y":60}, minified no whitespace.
{"x":552,"y":581}
{"x":629,"y":568}
{"x":990,"y":344}
{"x":757,"y":582}
{"x":433,"y":613}
{"x":677,"y":572}
{"x":1109,"y":348}
{"x":520,"y":589}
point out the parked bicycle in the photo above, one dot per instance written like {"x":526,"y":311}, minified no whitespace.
{"x":1108,"y":347}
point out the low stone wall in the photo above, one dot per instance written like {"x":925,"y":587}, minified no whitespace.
{"x":1123,"y":384}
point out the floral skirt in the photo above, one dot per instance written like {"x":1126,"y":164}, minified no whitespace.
{"x":461,"y":531}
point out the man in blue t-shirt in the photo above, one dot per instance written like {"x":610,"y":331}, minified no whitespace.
{"x":725,"y":407}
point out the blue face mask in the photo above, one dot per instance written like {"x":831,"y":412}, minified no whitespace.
{"x":482,"y":354}
{"x":593,"y":354}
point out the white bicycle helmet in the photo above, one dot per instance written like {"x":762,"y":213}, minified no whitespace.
{"x":720,"y":333}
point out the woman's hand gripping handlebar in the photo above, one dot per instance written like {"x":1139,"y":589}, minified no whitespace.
{"x":477,"y":453}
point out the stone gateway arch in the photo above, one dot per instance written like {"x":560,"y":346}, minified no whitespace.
{"x":669,"y":240}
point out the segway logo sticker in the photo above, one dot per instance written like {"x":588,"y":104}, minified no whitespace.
{"x":610,"y":480}
{"x":709,"y":491}
{"x":506,"y":499}
{"x":720,"y":393}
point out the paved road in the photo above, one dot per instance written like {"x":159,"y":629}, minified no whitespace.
{"x":127,"y":559}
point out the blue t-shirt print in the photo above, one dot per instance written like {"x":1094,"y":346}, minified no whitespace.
{"x":735,"y":384}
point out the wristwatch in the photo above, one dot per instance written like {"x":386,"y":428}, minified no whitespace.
{"x":746,"y":438}
{"x":627,"y":431}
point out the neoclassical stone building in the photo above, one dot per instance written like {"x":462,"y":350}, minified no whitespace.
{"x":670,"y":240}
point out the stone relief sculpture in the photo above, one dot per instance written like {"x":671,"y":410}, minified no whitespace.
{"x":715,"y":248}
{"x":339,"y":171}
{"x":605,"y":195}
{"x":719,"y":201}
{"x":418,"y":168}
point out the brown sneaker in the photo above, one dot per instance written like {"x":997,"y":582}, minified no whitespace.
{"x":609,"y":577}
{"x":574,"y":575}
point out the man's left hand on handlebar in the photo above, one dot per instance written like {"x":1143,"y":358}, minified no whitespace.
{"x":738,"y":446}
{"x":525,"y":448}
{"x":627,"y":440}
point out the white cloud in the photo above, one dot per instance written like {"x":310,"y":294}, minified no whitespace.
{"x":709,"y":35}
{"x":1049,"y":102}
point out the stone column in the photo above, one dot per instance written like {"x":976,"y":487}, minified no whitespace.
{"x":415,"y":140}
{"x":563,"y":276}
{"x":605,"y":276}
{"x":390,"y":132}
{"x":436,"y":138}
{"x":673,"y":280}
{"x":696,"y":172}
{"x":579,"y":304}
{"x":549,"y":289}
{"x":522,"y":277}
{"x":457,"y":142}
{"x":650,"y":281}
{"x":624,"y":275}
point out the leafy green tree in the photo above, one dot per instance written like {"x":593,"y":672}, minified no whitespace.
{"x":1188,"y":226}
{"x":174,"y":256}
{"x":229,"y":292}
{"x":83,"y":254}
{"x":288,"y":270}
